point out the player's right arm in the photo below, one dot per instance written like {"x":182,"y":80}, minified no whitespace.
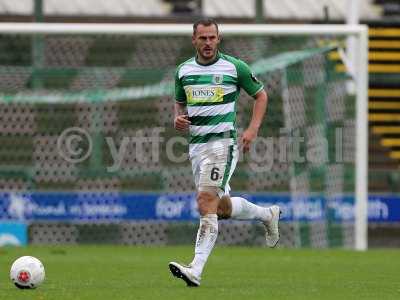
{"x":181,"y":120}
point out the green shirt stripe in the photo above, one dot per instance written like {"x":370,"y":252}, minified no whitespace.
{"x":212,"y":120}
{"x":195,"y":139}
{"x":207,"y":79}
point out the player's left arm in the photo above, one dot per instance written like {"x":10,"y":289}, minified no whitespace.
{"x":259,"y":108}
{"x":249,"y":82}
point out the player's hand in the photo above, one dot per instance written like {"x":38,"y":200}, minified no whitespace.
{"x":248,"y":136}
{"x":182,"y":122}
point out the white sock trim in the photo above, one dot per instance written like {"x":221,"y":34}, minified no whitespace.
{"x":236,"y":203}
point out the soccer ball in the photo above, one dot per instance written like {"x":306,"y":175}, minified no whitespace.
{"x":27,"y":272}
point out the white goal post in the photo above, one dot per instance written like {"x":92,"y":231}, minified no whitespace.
{"x":359,"y":32}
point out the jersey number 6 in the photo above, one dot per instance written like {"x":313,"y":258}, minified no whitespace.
{"x":214,"y":174}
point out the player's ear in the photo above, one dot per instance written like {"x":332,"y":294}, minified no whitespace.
{"x":219,"y":37}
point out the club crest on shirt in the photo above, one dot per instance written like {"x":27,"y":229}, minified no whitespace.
{"x":218,"y":78}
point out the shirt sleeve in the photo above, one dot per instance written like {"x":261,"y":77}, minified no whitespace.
{"x":180,"y":95}
{"x":247,"y":80}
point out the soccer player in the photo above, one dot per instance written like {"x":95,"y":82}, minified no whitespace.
{"x":206,"y":90}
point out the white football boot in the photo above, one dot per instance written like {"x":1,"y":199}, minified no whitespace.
{"x":185,"y":273}
{"x":272,"y":227}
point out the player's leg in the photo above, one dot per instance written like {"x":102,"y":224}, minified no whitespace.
{"x":215,"y":170}
{"x":206,"y":170}
{"x":207,"y":200}
{"x":239,"y":208}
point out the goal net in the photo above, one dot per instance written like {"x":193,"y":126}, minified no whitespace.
{"x":110,"y":88}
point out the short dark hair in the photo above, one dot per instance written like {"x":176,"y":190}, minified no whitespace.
{"x":204,"y":22}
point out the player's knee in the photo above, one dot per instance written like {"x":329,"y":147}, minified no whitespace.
{"x":224,"y":210}
{"x":207,"y":202}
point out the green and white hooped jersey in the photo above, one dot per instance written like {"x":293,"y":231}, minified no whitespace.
{"x":210,"y":93}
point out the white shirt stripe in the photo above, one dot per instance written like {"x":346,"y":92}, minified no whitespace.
{"x":222,"y":67}
{"x":211,"y":110}
{"x":201,"y":130}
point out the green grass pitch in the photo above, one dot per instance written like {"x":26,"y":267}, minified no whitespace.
{"x":121,"y":273}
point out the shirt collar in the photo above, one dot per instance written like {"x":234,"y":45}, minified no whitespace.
{"x":211,"y":62}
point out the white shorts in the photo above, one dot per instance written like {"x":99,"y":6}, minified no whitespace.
{"x":214,"y":167}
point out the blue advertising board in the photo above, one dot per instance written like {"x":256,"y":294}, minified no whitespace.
{"x":113,"y":207}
